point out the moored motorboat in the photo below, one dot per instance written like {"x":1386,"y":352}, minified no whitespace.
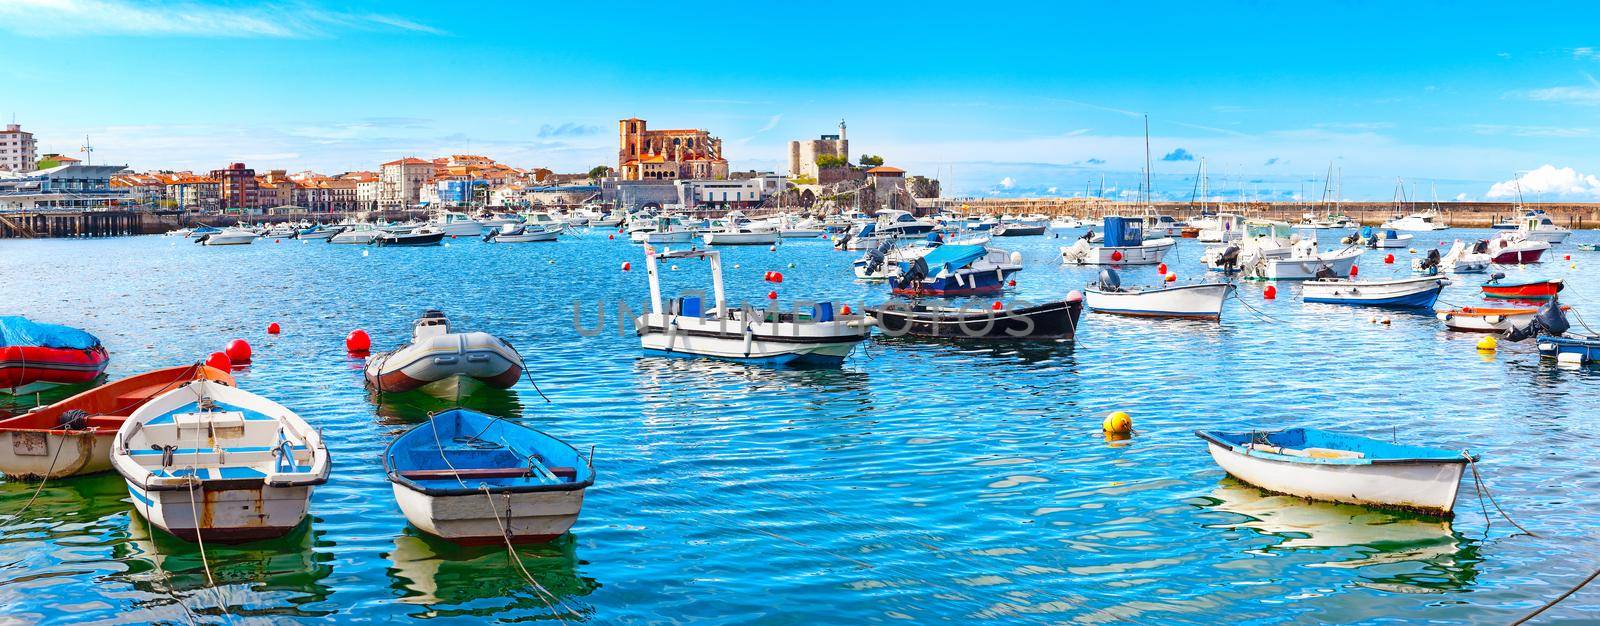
{"x":1388,"y":238}
{"x":1477,"y":319}
{"x":1124,"y":245}
{"x":421,"y":236}
{"x":822,"y":337}
{"x":317,"y":232}
{"x":212,"y":462}
{"x":1337,"y":467}
{"x":228,"y":237}
{"x":456,"y":224}
{"x":1197,"y":301}
{"x":1418,"y":292}
{"x":35,"y":356}
{"x":1016,"y":229}
{"x":438,"y":354}
{"x":73,"y":437}
{"x":1513,"y":249}
{"x":1581,"y":348}
{"x":357,"y":234}
{"x":1530,"y":290}
{"x":517,"y":233}
{"x":1460,"y":259}
{"x":472,"y":478}
{"x":1051,"y":320}
{"x":955,"y":270}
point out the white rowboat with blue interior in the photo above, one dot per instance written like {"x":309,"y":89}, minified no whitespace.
{"x":217,"y":463}
{"x":1336,"y":467}
{"x":1198,"y":301}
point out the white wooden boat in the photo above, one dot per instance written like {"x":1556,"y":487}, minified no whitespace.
{"x":1417,"y":292}
{"x":1199,"y":300}
{"x":1304,"y":261}
{"x":217,"y":463}
{"x":739,"y":236}
{"x":437,"y":354}
{"x":1124,"y":245}
{"x":474,"y":479}
{"x":1337,"y":467}
{"x":823,"y":337}
{"x":1478,"y":319}
{"x":1460,"y":259}
{"x":1388,"y":238}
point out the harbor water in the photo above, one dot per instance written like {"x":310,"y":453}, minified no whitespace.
{"x":932,"y":482}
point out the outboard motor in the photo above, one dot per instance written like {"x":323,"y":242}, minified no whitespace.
{"x":1088,"y":235}
{"x":1482,"y":247}
{"x":1325,"y":273}
{"x":1229,"y":259}
{"x":1549,"y":320}
{"x":1430,"y":265}
{"x":1495,"y":277}
{"x":914,"y":274}
{"x":1109,"y":280}
{"x":876,"y":257}
{"x":1351,"y":239}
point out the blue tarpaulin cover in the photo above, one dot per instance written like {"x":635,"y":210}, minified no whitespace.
{"x":16,"y":330}
{"x":953,"y":256}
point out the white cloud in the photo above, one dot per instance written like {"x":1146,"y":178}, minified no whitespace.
{"x":1548,"y":180}
{"x":1529,"y":131}
{"x":772,"y":123}
{"x":45,"y":18}
{"x":1461,"y":197}
{"x":1007,"y":182}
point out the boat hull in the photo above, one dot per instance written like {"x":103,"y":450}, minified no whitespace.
{"x":474,"y":355}
{"x":740,"y":239}
{"x":1292,"y":268}
{"x":1542,"y":290}
{"x":1187,"y":301}
{"x":1055,"y":320}
{"x":1416,"y":293}
{"x":51,"y":454}
{"x":25,"y":369}
{"x":821,"y":344}
{"x":1587,"y":348}
{"x":1423,"y":487}
{"x":469,"y":519}
{"x":1150,"y":253}
{"x":226,"y":514}
{"x":1486,"y":320}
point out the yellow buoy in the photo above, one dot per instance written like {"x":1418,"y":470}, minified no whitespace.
{"x":1488,"y":344}
{"x":1117,"y":423}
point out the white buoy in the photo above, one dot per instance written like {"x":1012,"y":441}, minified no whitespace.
{"x":1016,"y":258}
{"x":363,"y":253}
{"x":1569,"y":359}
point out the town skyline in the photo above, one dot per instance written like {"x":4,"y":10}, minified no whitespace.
{"x":1037,"y":114}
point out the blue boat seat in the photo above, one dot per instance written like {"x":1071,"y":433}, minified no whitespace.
{"x":824,"y":312}
{"x":689,"y":306}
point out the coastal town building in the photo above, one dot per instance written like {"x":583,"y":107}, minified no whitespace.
{"x":400,"y":182}
{"x":803,"y":155}
{"x":644,"y":154}
{"x":237,"y":188}
{"x":729,"y":194}
{"x":17,"y":149}
{"x":71,"y":186}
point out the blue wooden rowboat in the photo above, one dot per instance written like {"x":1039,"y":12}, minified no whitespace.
{"x":1337,"y":467}
{"x":1586,"y":347}
{"x":1406,"y":293}
{"x":476,"y":479}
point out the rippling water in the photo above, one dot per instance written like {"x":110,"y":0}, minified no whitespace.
{"x":936,"y":482}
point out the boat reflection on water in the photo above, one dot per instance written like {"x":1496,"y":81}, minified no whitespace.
{"x":1391,"y":550}
{"x":64,"y":506}
{"x":284,"y":572}
{"x":458,"y":581}
{"x":18,"y":404}
{"x":409,"y":408}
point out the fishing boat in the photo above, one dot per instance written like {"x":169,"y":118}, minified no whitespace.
{"x":212,"y":462}
{"x":955,"y":270}
{"x":438,"y":354}
{"x":1052,"y":320}
{"x":1417,"y":292}
{"x":421,"y":236}
{"x":1538,"y":227}
{"x":1531,"y":290}
{"x":1124,"y":244}
{"x":73,"y":437}
{"x":517,"y":233}
{"x":1388,"y":238}
{"x":1478,"y":319}
{"x":1513,"y":248}
{"x":228,"y":237}
{"x":475,"y":479}
{"x":457,"y":224}
{"x":1195,"y":301}
{"x":683,"y":328}
{"x":1304,"y":261}
{"x":1323,"y":465}
{"x":316,"y":232}
{"x":35,"y":356}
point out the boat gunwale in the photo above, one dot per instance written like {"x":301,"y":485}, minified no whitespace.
{"x":1243,"y":450}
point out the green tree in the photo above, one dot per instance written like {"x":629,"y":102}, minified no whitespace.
{"x":827,"y":161}
{"x":871,"y":160}
{"x":599,"y":171}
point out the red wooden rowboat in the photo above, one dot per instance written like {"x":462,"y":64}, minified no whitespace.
{"x":73,"y":436}
{"x":1537,"y":290}
{"x":35,"y":356}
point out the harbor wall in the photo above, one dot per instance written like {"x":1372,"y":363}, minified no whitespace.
{"x":1454,"y":214}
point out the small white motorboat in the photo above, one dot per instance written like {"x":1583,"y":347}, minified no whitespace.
{"x":1459,"y":260}
{"x":1536,"y":226}
{"x":228,"y":237}
{"x":475,"y":479}
{"x":822,"y":337}
{"x":739,"y":236}
{"x":1417,"y":292}
{"x":517,"y":233}
{"x":1124,"y":245}
{"x":670,"y":229}
{"x":1199,"y":300}
{"x":1303,"y":262}
{"x":457,"y":224}
{"x":1389,"y":238}
{"x":212,"y":462}
{"x":1424,"y":221}
{"x":316,"y":232}
{"x":437,"y":354}
{"x":1480,"y":319}
{"x":282,"y":231}
{"x":357,"y":234}
{"x":1337,"y":467}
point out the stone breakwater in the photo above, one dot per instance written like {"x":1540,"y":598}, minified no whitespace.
{"x":1454,"y":214}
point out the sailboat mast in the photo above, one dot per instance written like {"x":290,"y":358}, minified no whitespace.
{"x":1147,"y":190}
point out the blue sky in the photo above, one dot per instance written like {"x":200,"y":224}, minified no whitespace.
{"x":995,"y":99}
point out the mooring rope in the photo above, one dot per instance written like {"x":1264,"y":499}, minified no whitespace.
{"x":1478,"y":479}
{"x":544,"y":594}
{"x":1557,"y":599}
{"x":1257,"y":312}
{"x":42,"y":481}
{"x":149,"y":533}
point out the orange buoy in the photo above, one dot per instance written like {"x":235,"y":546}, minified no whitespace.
{"x":273,"y":328}
{"x":1270,"y":293}
{"x":357,"y":341}
{"x":844,"y":310}
{"x":220,"y":361}
{"x":1172,"y":278}
{"x":238,"y":351}
{"x":1116,"y":255}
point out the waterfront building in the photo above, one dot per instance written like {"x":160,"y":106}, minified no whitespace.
{"x":645,"y":154}
{"x":192,"y":192}
{"x":730,"y":194}
{"x":803,"y":155}
{"x":17,"y":149}
{"x":237,"y":189}
{"x":400,"y":182}
{"x":63,"y":187}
